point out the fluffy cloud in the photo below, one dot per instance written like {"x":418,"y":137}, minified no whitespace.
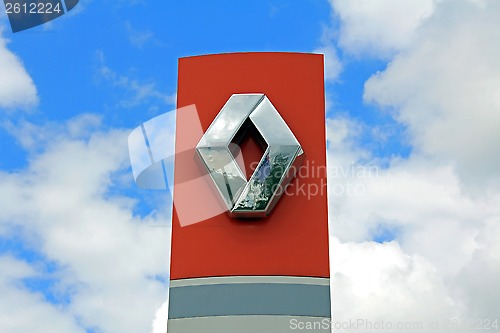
{"x":445,"y":88}
{"x":379,"y":28}
{"x":17,"y":303}
{"x":138,"y":38}
{"x":443,"y":236}
{"x":380,"y":283}
{"x":441,"y":205}
{"x":68,"y":206}
{"x":333,"y":65}
{"x":17,"y":89}
{"x":110,"y":261}
{"x":137,"y":92}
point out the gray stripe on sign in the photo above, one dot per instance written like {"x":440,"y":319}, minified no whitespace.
{"x":250,"y":279}
{"x":249,"y":299}
{"x":249,"y":324}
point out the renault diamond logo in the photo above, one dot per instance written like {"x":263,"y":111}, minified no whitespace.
{"x":282,"y":156}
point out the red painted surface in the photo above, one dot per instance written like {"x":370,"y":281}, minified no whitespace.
{"x":293,"y":240}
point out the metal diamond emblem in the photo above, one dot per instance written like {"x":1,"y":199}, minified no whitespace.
{"x":282,"y":157}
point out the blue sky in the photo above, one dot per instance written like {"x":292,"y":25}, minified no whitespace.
{"x":412,"y":91}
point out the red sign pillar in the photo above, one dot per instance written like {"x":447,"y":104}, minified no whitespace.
{"x":263,"y":275}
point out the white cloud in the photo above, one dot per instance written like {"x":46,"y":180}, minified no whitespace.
{"x":424,"y":202}
{"x":32,"y":137}
{"x":138,"y":92}
{"x":23,"y":311}
{"x":332,"y":62}
{"x":111,"y":258}
{"x":17,"y":89}
{"x":342,"y":136}
{"x":381,"y":283}
{"x":475,"y":283}
{"x":442,"y":203}
{"x":332,"y":65}
{"x":446,"y":88}
{"x":161,"y":319}
{"x":138,"y":38}
{"x":379,"y":28}
{"x":444,"y":235}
